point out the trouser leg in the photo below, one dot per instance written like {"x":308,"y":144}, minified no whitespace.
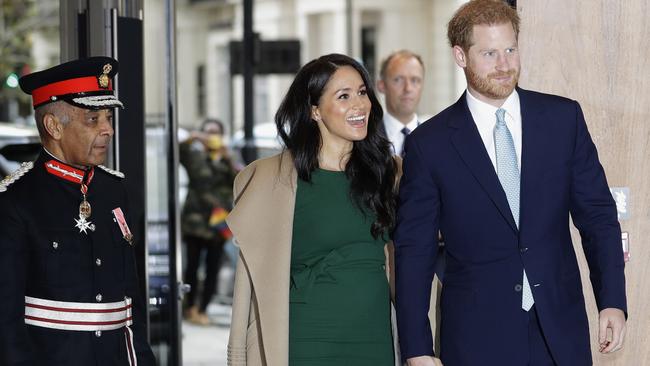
{"x":213,"y":262}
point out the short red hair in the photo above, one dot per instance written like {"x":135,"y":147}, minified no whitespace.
{"x":479,"y":12}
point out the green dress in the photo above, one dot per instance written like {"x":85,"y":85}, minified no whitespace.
{"x":339,"y":299}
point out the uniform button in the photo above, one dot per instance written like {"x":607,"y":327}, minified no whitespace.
{"x":55,"y":245}
{"x":98,"y":262}
{"x":98,"y":297}
{"x":98,"y":333}
{"x":518,"y":288}
{"x":523,"y":250}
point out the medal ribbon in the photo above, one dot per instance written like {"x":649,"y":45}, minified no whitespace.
{"x":89,"y":178}
{"x":74,"y":175}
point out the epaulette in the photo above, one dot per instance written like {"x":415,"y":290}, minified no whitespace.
{"x":24,"y":168}
{"x":111,"y":171}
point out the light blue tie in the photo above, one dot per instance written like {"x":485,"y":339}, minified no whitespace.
{"x":508,"y":173}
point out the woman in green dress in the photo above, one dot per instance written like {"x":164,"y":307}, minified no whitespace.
{"x":312,"y":224}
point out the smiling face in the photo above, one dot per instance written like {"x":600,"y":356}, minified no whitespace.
{"x":343,"y":109}
{"x":491,"y":64}
{"x":82,"y":141}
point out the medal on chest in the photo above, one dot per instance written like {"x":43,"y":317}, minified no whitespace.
{"x":83,"y":179}
{"x":118,"y":216}
{"x":82,"y":223}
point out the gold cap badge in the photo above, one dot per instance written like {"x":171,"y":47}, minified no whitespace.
{"x":103,"y":78}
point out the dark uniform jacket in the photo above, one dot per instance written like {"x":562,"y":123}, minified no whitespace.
{"x":210,"y":186}
{"x":43,"y":255}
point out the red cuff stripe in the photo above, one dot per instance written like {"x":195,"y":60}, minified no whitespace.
{"x":78,"y":85}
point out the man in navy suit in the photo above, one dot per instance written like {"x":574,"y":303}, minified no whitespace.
{"x":499,"y":173}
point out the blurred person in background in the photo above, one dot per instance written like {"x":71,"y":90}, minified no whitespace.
{"x":312,"y":224}
{"x":209,"y":199}
{"x":401,"y":80}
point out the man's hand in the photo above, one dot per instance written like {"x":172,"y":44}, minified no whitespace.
{"x":424,"y":361}
{"x":611,"y":330}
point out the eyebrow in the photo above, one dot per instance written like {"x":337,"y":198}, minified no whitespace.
{"x":348,"y":89}
{"x":515,"y":45}
{"x":89,"y":112}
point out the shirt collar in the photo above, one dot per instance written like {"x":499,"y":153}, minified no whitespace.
{"x":393,"y":125}
{"x":479,"y":107}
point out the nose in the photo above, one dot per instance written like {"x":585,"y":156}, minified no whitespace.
{"x":106,"y":127}
{"x":358,"y":101}
{"x":502,"y":62}
{"x":408,"y":85}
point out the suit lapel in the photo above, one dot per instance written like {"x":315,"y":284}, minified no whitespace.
{"x":469,"y":145}
{"x":532,"y":154}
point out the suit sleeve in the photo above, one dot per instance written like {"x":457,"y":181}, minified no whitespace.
{"x":142,"y":349}
{"x":416,"y":247}
{"x":16,"y":348}
{"x":593,"y":211}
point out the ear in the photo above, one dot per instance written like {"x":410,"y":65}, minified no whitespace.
{"x":459,"y":56}
{"x":381,"y":86}
{"x":315,"y":114}
{"x":53,"y":127}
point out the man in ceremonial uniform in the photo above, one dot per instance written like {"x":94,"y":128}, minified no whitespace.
{"x":68,"y":283}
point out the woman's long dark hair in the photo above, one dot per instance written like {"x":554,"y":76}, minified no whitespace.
{"x":371,"y":168}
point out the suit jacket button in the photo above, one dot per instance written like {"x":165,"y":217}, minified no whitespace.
{"x":523,"y":250}
{"x":98,"y":333}
{"x":98,"y":297}
{"x":518,"y":287}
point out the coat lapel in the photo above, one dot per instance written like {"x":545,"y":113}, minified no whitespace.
{"x":262,"y":223}
{"x":469,"y":145}
{"x":533,"y":142}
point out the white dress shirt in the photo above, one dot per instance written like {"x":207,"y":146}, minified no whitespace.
{"x":394,"y":130}
{"x":485,"y":118}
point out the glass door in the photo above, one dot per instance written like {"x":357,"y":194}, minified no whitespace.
{"x":165,"y":287}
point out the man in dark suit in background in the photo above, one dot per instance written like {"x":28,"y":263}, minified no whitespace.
{"x":499,"y":173}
